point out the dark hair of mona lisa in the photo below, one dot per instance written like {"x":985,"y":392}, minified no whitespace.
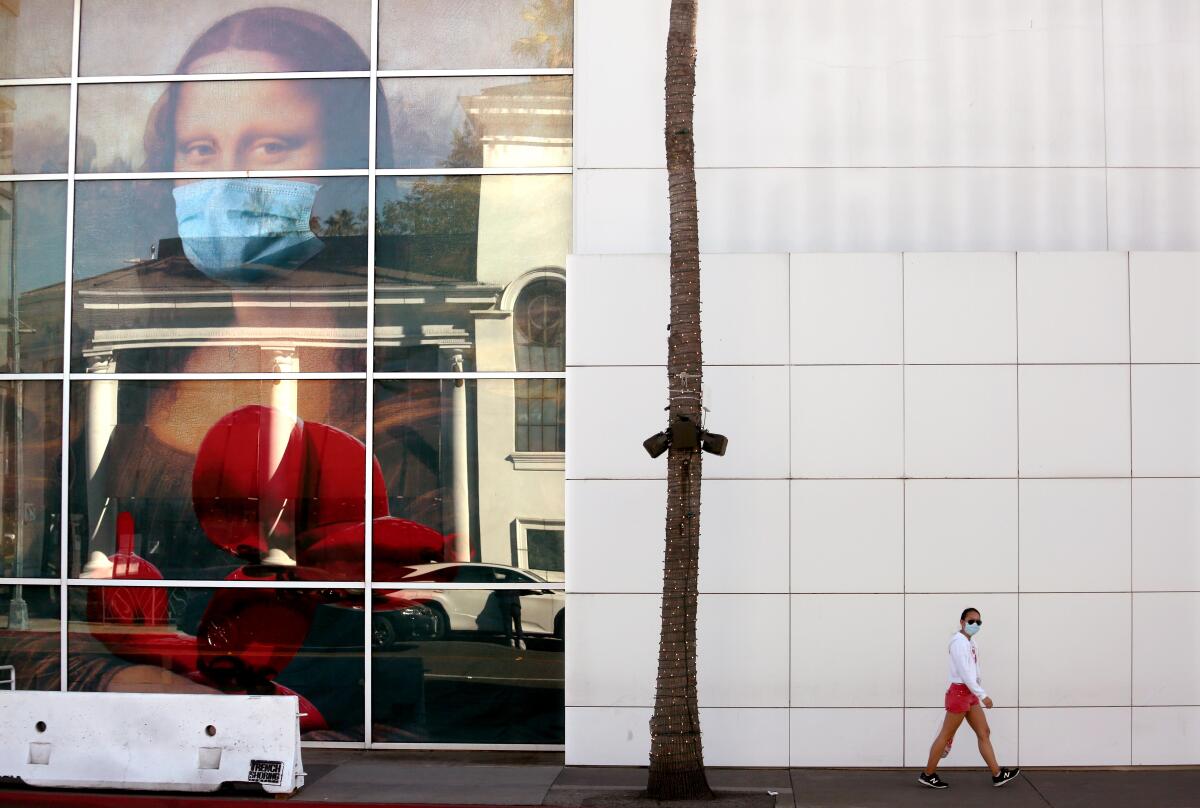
{"x":302,"y":41}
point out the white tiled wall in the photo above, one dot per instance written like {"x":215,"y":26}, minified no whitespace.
{"x":909,"y":435}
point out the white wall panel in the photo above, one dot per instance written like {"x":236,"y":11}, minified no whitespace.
{"x":1164,"y":299}
{"x":847,"y":536}
{"x":847,"y":421}
{"x":960,"y":420}
{"x":1166,"y":648}
{"x":960,"y":308}
{"x":607,"y":736}
{"x":742,"y":659}
{"x":613,"y":653}
{"x":745,"y":311}
{"x":1080,"y":526}
{"x":847,"y":650}
{"x":1166,"y":429}
{"x":619,"y":309}
{"x":847,"y":309}
{"x":1166,"y":736}
{"x":1074,"y":420}
{"x":1074,"y":307}
{"x":1153,"y":209}
{"x":615,"y":534}
{"x":1166,"y":535}
{"x":1075,"y":736}
{"x":1062,"y":667}
{"x":1152,"y":82}
{"x":742,"y":737}
{"x":743,"y":536}
{"x":960,"y":536}
{"x":847,"y":737}
{"x":750,"y":406}
{"x":612,"y":410}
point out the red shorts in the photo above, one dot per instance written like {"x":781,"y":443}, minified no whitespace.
{"x":960,"y":699}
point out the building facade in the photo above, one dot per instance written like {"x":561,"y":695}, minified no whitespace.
{"x":950,"y":294}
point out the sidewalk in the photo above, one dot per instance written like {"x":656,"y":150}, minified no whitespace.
{"x":528,"y":779}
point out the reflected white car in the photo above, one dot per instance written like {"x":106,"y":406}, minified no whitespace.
{"x":543,"y":611}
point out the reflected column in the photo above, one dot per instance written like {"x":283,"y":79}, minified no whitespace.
{"x":101,"y":421}
{"x":277,"y":507}
{"x":459,"y":470}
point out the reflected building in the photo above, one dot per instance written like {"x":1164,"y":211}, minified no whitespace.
{"x":468,"y":277}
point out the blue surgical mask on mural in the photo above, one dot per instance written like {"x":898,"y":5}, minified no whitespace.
{"x":972,"y":629}
{"x":245,"y":230}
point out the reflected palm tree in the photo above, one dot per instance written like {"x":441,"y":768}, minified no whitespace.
{"x":550,"y":41}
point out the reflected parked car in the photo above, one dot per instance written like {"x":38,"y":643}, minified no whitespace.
{"x":543,"y":610}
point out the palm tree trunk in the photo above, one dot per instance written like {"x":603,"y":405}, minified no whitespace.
{"x":676,"y":756}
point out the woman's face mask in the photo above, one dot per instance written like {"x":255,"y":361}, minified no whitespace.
{"x":245,"y":230}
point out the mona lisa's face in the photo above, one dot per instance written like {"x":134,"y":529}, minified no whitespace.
{"x":247,"y":125}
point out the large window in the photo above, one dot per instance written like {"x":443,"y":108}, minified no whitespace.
{"x":276,"y":284}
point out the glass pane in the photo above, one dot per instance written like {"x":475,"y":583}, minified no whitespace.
{"x":208,"y":480}
{"x":233,"y":36}
{"x":33,"y":129}
{"x":433,"y":34}
{"x":29,"y":636}
{"x":453,"y":488}
{"x":30,"y":478}
{"x":467,"y":122}
{"x":307,"y":643}
{"x":487,"y":665}
{"x":290,"y":299}
{"x":275,"y":125}
{"x":545,"y":549}
{"x":33,"y":249}
{"x":35,"y":38}
{"x":448,"y":251}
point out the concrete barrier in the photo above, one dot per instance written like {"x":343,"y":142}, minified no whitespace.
{"x":150,"y":741}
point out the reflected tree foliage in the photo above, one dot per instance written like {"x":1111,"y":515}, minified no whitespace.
{"x":549,"y":42}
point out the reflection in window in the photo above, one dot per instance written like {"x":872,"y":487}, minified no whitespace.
{"x":33,"y":129}
{"x":29,"y":636}
{"x":260,"y":641}
{"x":545,"y":547}
{"x":152,"y":301}
{"x":311,"y":35}
{"x":276,"y":125}
{"x":195,"y":479}
{"x":446,"y":249}
{"x":540,"y":415}
{"x":446,"y":452}
{"x":33,"y":227}
{"x":30,"y":479}
{"x":489,"y":663}
{"x":435,"y":34}
{"x":35,"y":38}
{"x":539,"y":326}
{"x":466,"y":122}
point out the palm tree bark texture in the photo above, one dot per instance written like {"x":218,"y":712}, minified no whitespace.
{"x":676,"y":755}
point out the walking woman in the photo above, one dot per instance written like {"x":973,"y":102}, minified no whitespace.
{"x":963,"y":700}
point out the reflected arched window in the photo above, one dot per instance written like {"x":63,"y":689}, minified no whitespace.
{"x":539,"y":337}
{"x":539,"y":326}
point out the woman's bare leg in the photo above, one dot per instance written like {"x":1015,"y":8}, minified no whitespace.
{"x":949,"y":727}
{"x":978,"y":722}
